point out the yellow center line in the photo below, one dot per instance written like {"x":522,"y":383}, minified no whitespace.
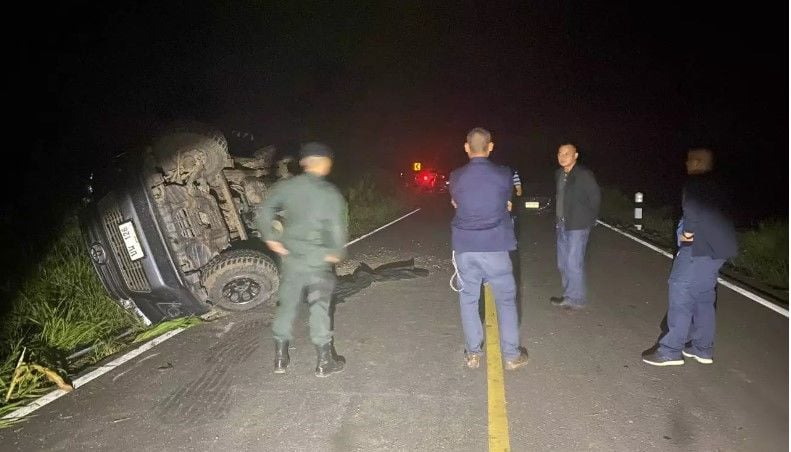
{"x":499,"y":440}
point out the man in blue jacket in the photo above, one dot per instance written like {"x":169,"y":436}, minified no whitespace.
{"x":482,"y":234}
{"x":706,"y":238}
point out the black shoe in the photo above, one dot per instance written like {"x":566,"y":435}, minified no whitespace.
{"x":328,"y":362}
{"x":655,"y":359}
{"x":556,"y":300}
{"x":281,"y":356}
{"x":697,"y":356}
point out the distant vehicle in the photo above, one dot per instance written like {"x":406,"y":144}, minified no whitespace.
{"x":426,"y":181}
{"x":539,"y":195}
{"x":535,"y":204}
{"x":172,"y":232}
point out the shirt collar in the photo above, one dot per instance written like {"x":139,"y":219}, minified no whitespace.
{"x":312,"y":176}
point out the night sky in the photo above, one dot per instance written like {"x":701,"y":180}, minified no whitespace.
{"x":633,"y":84}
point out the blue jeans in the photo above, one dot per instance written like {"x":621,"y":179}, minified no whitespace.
{"x":690,"y":313}
{"x":571,"y":246}
{"x":476,"y":268}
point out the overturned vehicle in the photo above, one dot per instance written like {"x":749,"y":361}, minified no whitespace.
{"x":172,"y":233}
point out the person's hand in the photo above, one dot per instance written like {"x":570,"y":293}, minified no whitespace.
{"x":453,"y":203}
{"x":508,"y":205}
{"x":277,"y":247}
{"x":331,"y":259}
{"x":687,"y":237}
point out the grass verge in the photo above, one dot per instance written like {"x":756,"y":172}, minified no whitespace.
{"x":60,"y":307}
{"x":371,"y":204}
{"x":763,"y":252}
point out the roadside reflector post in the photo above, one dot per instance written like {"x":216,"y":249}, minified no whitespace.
{"x":638,"y":211}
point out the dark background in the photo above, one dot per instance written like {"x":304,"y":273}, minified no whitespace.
{"x":633,"y":84}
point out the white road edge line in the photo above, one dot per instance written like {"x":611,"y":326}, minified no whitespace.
{"x":99,"y":371}
{"x":752,"y":296}
{"x":382,"y":227}
{"x":103,"y":369}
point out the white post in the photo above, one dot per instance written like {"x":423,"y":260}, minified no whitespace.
{"x":638,"y":211}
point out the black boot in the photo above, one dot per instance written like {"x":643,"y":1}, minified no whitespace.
{"x":328,"y":362}
{"x":281,"y":356}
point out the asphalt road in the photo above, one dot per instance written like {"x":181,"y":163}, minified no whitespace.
{"x":405,"y":388}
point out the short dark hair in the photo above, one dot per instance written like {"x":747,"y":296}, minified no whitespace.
{"x":570,"y":144}
{"x":479,"y":139}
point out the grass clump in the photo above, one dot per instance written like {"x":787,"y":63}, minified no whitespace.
{"x":371,"y":205}
{"x":60,"y":307}
{"x":763,"y":253}
{"x":63,"y":305}
{"x":163,"y":327}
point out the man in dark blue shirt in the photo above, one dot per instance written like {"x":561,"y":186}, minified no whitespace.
{"x":706,"y":239}
{"x":482,"y":234}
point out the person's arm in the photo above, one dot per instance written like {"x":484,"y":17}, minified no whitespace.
{"x":594,"y":192}
{"x":337,"y":230}
{"x":679,"y":230}
{"x":517,"y":183}
{"x":451,"y":189}
{"x":265,"y":217}
{"x":690,"y":206}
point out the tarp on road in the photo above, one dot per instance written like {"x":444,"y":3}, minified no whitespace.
{"x":364,"y":276}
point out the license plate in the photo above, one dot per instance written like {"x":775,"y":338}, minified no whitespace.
{"x":129,"y":235}
{"x":532,"y":205}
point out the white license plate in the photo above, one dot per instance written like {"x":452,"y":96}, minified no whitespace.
{"x":130,"y":240}
{"x":532,"y":205}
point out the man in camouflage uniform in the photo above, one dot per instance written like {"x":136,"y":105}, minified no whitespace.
{"x":313,"y":239}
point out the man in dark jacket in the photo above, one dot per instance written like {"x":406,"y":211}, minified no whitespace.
{"x":706,"y":238}
{"x":577,"y":202}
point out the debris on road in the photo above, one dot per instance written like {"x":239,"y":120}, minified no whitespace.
{"x":364,"y":276}
{"x":26,"y":371}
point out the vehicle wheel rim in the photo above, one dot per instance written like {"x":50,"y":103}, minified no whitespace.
{"x":241,"y":290}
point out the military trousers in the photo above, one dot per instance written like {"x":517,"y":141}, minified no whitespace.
{"x":314,"y":286}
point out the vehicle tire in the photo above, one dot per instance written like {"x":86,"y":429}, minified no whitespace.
{"x":187,"y":143}
{"x":239,"y":280}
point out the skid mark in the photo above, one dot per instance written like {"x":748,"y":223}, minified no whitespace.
{"x":207,"y":397}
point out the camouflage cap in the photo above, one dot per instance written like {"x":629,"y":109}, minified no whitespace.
{"x":315,"y":149}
